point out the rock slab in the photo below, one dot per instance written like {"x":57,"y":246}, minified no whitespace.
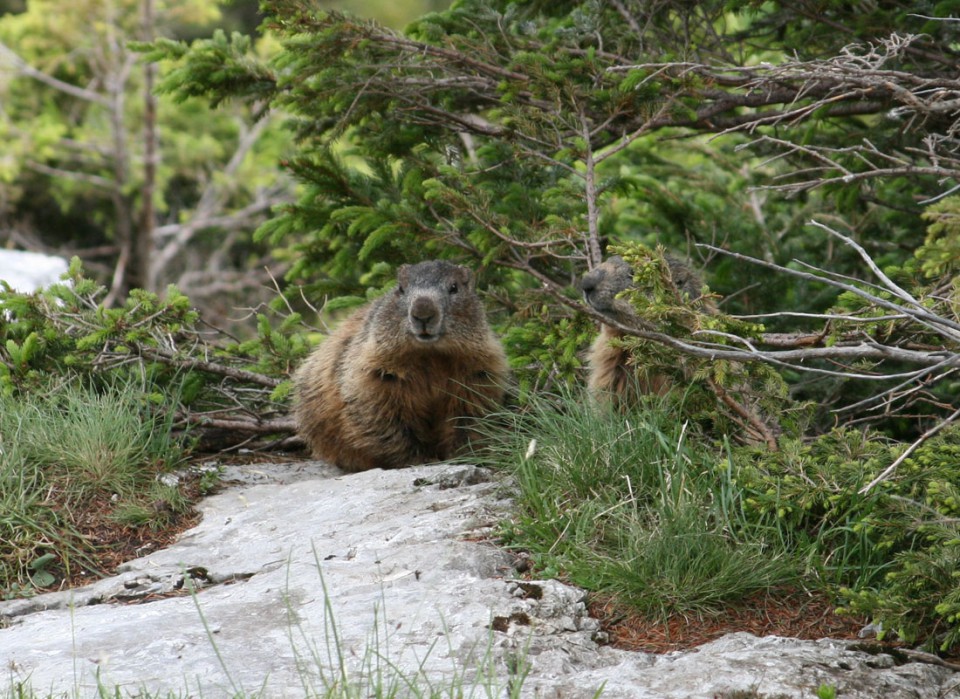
{"x":304,"y":579}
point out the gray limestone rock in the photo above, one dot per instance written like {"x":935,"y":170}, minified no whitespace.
{"x":298,"y":578}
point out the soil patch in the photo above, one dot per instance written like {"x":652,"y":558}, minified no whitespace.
{"x":788,"y":613}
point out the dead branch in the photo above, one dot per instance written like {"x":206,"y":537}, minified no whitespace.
{"x":754,"y":426}
{"x":889,"y":470}
{"x":167,"y":357}
{"x":592,"y":243}
{"x":172,"y":240}
{"x":949,"y":329}
{"x":250,"y":426}
{"x":23,"y":68}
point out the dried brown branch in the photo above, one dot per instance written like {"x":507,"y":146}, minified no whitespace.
{"x":168,"y":357}
{"x":245,"y":427}
{"x":754,"y":426}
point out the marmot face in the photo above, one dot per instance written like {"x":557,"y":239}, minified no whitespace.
{"x":601,"y":285}
{"x":604,"y":282}
{"x":433,"y":292}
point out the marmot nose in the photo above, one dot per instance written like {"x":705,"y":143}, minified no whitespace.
{"x":423,"y":311}
{"x":423,"y":316}
{"x":587,"y":290}
{"x":588,"y":285}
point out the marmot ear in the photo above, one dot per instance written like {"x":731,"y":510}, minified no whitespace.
{"x":465,"y":276}
{"x":403,"y":271}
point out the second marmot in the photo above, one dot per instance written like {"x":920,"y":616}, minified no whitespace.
{"x":612,"y":373}
{"x":402,"y":379}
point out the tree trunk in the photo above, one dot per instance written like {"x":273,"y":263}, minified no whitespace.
{"x":144,"y":236}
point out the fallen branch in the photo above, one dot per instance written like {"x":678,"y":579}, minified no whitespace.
{"x":167,"y":357}
{"x":245,"y":427}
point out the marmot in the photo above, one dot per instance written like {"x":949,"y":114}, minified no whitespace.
{"x":609,"y":370}
{"x":402,"y":378}
{"x":614,"y":377}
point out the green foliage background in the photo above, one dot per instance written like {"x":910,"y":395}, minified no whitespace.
{"x":388,"y":174}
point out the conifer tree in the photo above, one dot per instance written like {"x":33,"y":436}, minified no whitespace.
{"x":526,"y":137}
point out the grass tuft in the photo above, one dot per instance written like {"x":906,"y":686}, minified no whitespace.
{"x":67,"y":459}
{"x":630,"y":505}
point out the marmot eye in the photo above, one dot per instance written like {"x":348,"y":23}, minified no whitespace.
{"x":454,"y":288}
{"x":399,"y":290}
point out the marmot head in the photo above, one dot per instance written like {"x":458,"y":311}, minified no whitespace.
{"x":439,"y":300}
{"x":601,"y":285}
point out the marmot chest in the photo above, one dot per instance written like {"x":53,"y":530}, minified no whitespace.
{"x":423,"y":384}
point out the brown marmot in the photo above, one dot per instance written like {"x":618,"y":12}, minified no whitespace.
{"x":402,"y":378}
{"x":615,"y":378}
{"x":610,"y":370}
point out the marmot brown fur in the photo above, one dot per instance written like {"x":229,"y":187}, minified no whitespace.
{"x":402,"y":378}
{"x":610,"y":374}
{"x":614,"y":378}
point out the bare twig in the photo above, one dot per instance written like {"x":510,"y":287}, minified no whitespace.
{"x":889,"y":470}
{"x":23,"y":68}
{"x":594,"y":254}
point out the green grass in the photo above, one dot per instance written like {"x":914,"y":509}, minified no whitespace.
{"x":644,"y":509}
{"x":680,"y":562}
{"x":630,"y":505}
{"x":66,"y":458}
